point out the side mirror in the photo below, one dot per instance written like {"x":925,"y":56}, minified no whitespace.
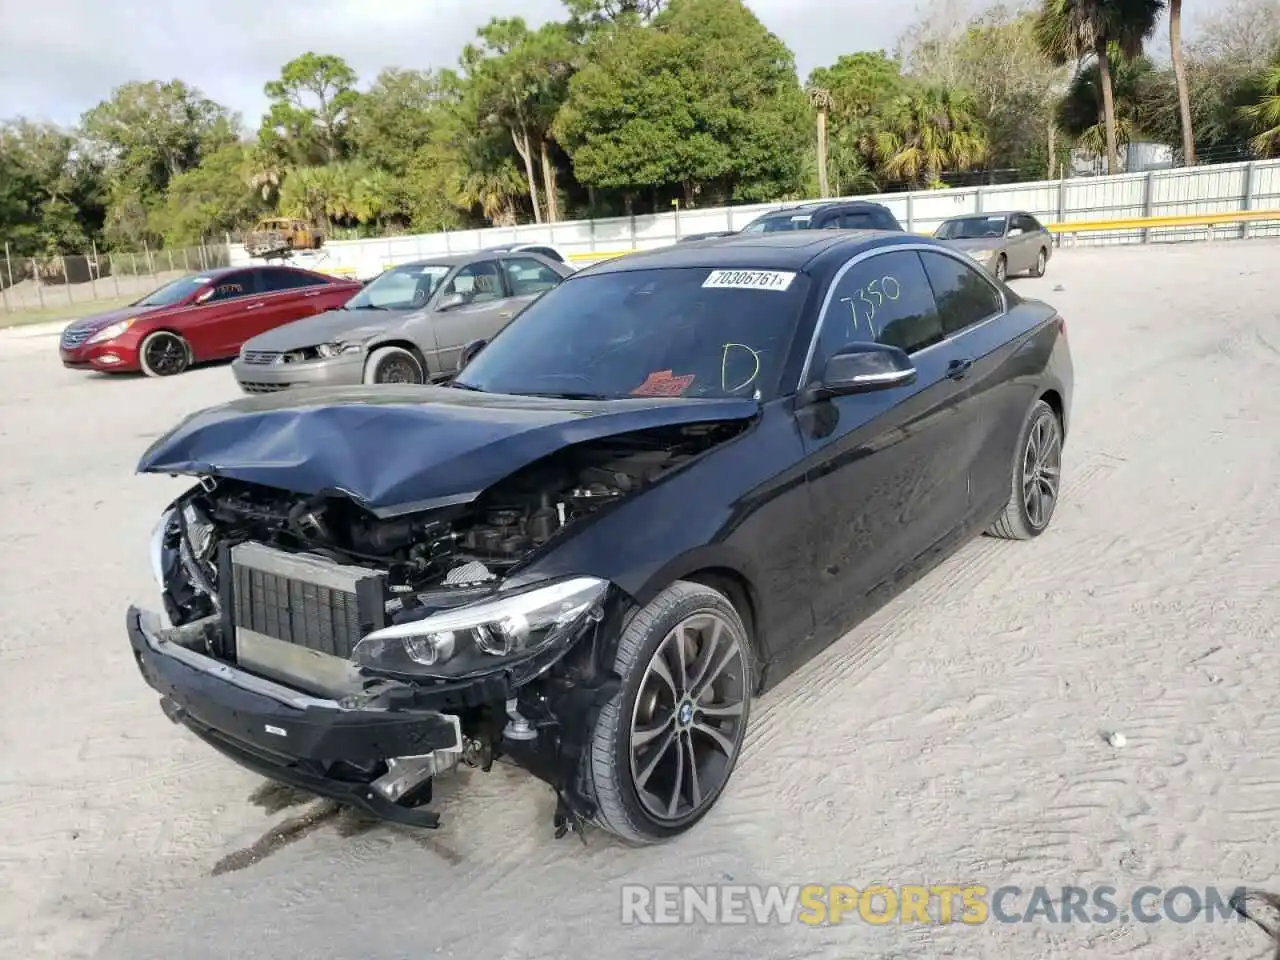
{"x":449,"y":300}
{"x":469,"y":352}
{"x":862,"y":368}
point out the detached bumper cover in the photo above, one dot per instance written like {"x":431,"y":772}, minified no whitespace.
{"x":316,"y":744}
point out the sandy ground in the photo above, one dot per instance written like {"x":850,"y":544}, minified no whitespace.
{"x":954,"y":738}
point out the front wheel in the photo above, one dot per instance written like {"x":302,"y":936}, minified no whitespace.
{"x":1036,"y":480}
{"x":664,"y":747}
{"x":1002,"y":268}
{"x":393,"y":365}
{"x":1042,"y":258}
{"x":163,"y":354}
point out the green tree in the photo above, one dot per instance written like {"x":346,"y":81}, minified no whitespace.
{"x":212,"y":198}
{"x":1070,"y":31}
{"x":1081,"y":111}
{"x":519,"y":79}
{"x":1264,"y":115}
{"x":149,"y":132}
{"x":864,"y":88}
{"x":596,"y":12}
{"x":704,"y":99}
{"x":820,"y":99}
{"x":995,"y":56}
{"x":931,"y":131}
{"x":310,"y":111}
{"x":52,"y":192}
{"x":402,"y":112}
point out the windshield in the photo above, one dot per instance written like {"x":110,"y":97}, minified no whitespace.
{"x":667,"y":332}
{"x":175,"y":292}
{"x":972,"y":228}
{"x":400,"y":288}
{"x":787,"y":221}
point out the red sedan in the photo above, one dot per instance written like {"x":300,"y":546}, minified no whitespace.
{"x":204,"y":316}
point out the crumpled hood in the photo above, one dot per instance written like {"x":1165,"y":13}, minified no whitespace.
{"x":97,"y":321}
{"x":401,"y":448}
{"x":328,"y":326}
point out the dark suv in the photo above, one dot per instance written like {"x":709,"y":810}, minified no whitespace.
{"x":834,"y":215}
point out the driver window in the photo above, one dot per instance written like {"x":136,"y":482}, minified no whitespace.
{"x":230,"y":287}
{"x":885,"y":299}
{"x":477,"y":283}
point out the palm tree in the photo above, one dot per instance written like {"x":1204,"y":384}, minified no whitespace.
{"x":1071,"y":30}
{"x":494,"y":191}
{"x":1079,"y":113}
{"x":930,"y":131}
{"x":1264,"y":116}
{"x":820,"y":100}
{"x":1180,"y":81}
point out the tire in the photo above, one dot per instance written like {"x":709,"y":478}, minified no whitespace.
{"x":164,"y":354}
{"x":1040,"y":442}
{"x":609,"y":765}
{"x":1042,"y":259}
{"x":1002,"y":268}
{"x":393,"y":365}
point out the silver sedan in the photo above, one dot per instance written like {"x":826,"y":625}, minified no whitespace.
{"x":408,"y":325}
{"x":1004,"y":243}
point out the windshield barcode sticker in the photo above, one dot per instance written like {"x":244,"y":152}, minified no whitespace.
{"x":749,"y":279}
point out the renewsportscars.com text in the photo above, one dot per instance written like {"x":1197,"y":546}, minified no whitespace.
{"x":826,"y":904}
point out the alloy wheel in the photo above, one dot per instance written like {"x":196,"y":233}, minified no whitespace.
{"x":166,"y":355}
{"x":687,"y":724}
{"x":1042,"y":471}
{"x":1040,"y":264}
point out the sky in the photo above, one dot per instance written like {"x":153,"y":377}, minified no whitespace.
{"x":60,"y":57}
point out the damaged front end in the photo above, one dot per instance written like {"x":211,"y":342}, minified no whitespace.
{"x":359,"y":657}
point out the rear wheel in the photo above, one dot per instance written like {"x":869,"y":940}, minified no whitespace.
{"x":164,"y":354}
{"x":664,"y":747}
{"x":1036,"y":480}
{"x":1042,"y":258}
{"x":393,"y":365}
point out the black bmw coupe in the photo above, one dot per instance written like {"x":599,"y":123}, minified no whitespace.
{"x":666,"y":484}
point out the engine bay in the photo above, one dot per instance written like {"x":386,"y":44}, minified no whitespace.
{"x":450,"y":550}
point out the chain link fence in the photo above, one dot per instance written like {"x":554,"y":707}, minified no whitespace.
{"x":53,"y":283}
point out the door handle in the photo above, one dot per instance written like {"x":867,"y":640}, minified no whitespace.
{"x":313,"y":293}
{"x":255,"y":306}
{"x":956,"y":369}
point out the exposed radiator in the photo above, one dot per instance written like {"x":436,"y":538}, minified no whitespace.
{"x":304,"y":600}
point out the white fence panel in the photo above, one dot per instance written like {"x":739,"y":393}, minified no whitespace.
{"x":1194,"y":190}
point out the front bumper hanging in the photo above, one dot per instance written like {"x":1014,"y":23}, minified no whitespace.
{"x":329,"y":747}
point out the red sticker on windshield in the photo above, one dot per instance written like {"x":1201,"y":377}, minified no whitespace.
{"x":663,"y":383}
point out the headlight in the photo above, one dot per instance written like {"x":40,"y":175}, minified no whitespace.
{"x":981,"y":254}
{"x":481,"y":636}
{"x":113,"y":331}
{"x":158,"y":536}
{"x":327,"y":350}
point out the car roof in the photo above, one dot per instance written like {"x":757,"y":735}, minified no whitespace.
{"x":990,"y":213}
{"x":763,"y":251}
{"x":815,"y":206}
{"x":215,"y":272}
{"x":453,"y":259}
